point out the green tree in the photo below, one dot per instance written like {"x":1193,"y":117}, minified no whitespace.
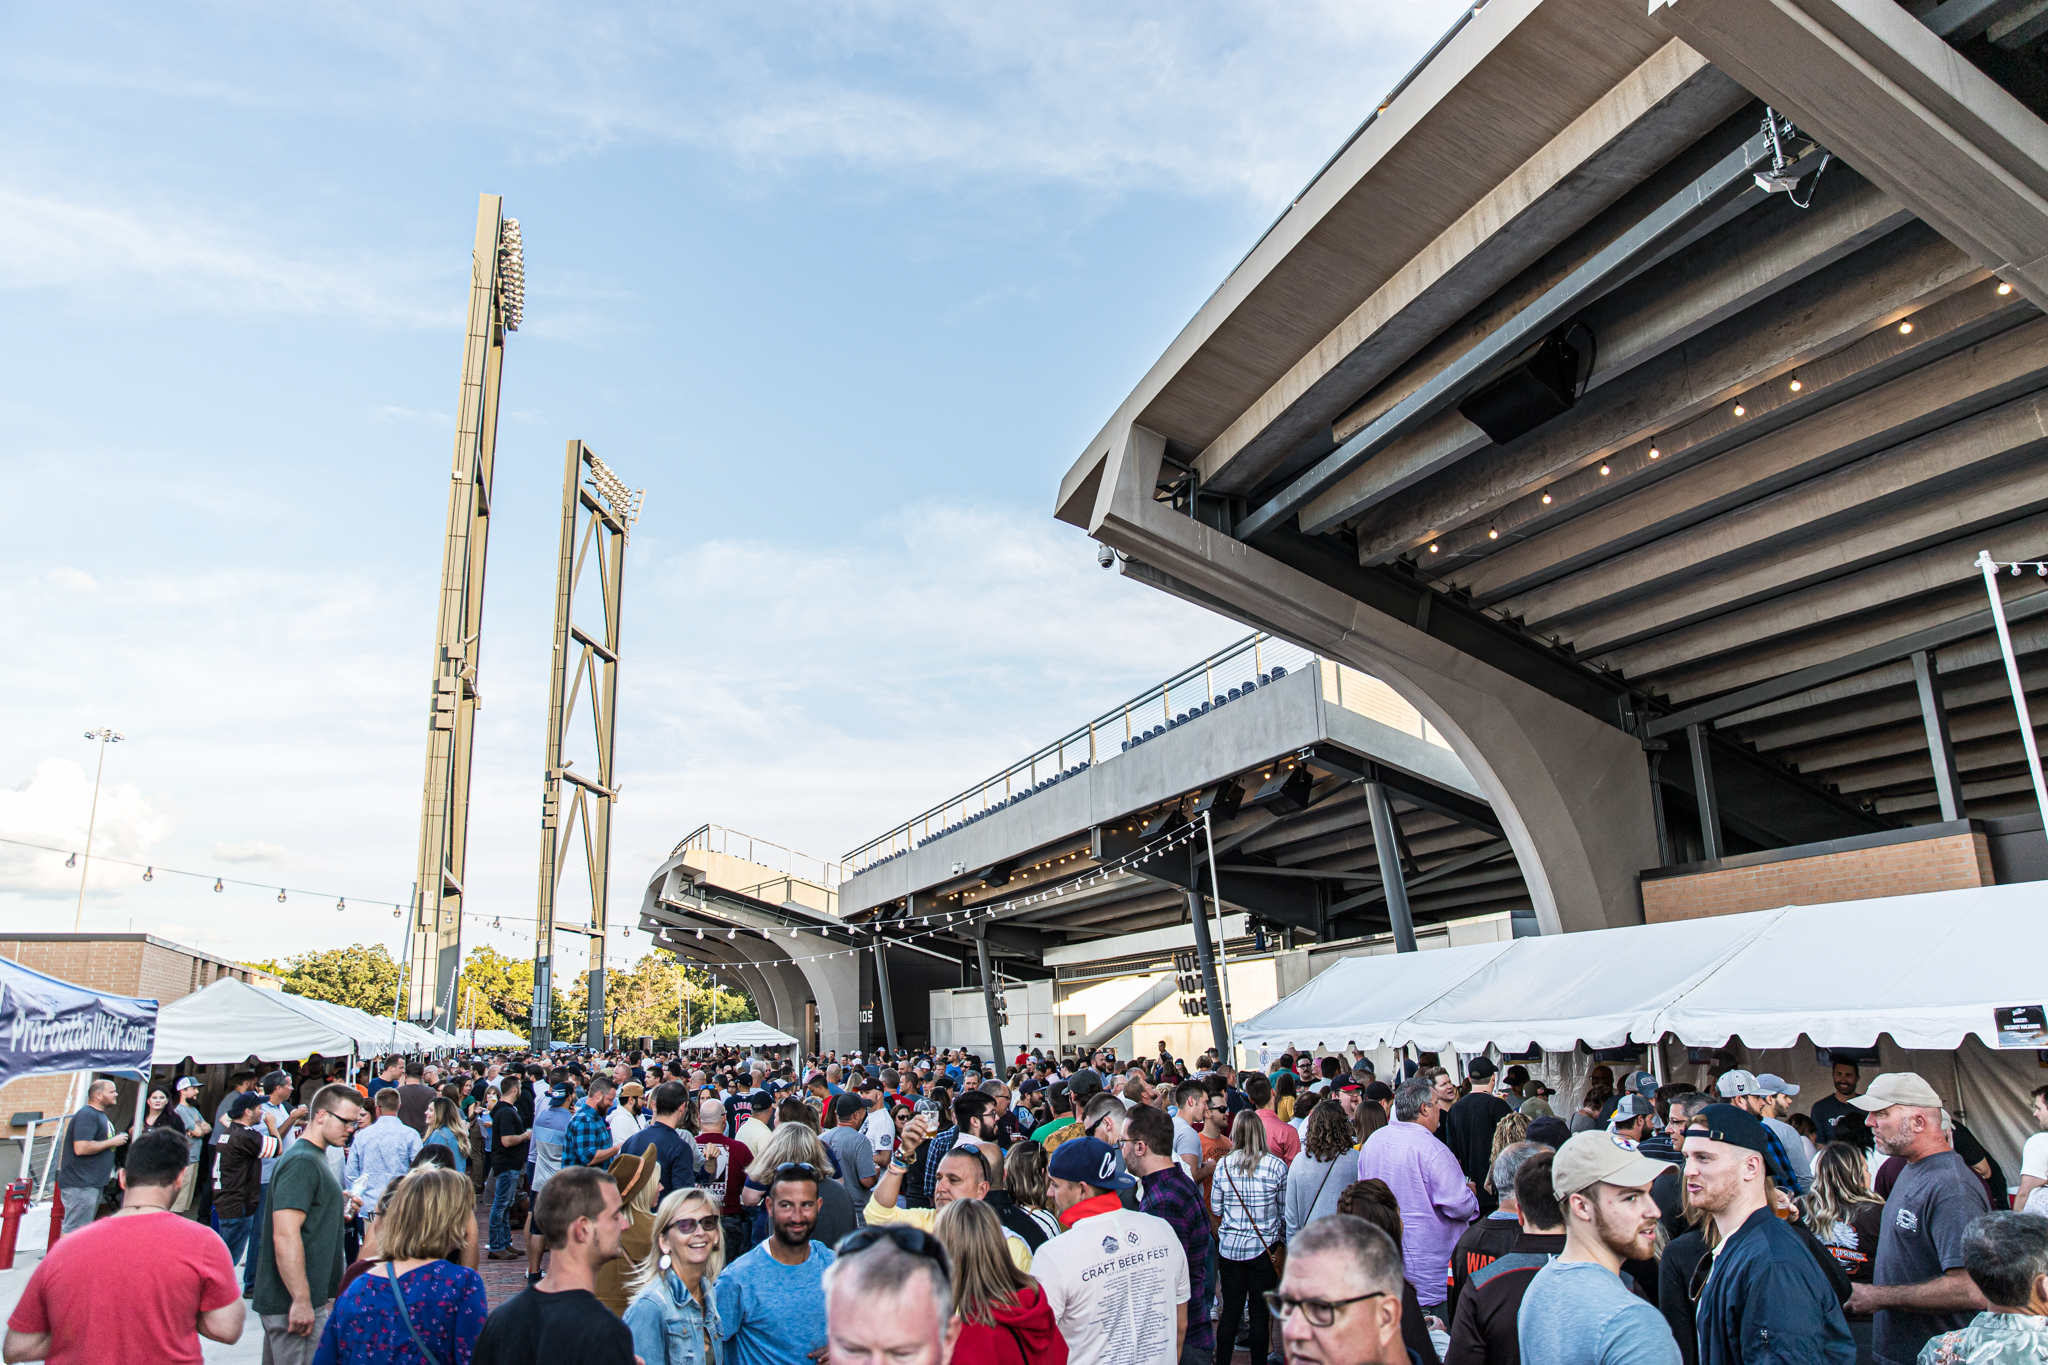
{"x":364,"y":978}
{"x":497,"y":991}
{"x":641,"y":1000}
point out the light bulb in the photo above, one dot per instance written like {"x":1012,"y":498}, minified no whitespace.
{"x":1432,"y":549}
{"x":1905,"y":329}
{"x":280,"y":895}
{"x":1605,"y":471}
{"x":1795,"y":386}
{"x":2004,"y":288}
{"x":341,"y":904}
{"x":1741,"y":411}
{"x":1493,"y":533}
{"x":1655,"y":453}
{"x":149,"y":874}
{"x":1546,"y":499}
{"x":396,"y":913}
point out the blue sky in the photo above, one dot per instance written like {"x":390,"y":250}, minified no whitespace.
{"x":844,"y":286}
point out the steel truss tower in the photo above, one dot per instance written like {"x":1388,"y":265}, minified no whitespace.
{"x":497,"y":287}
{"x":597,"y":518}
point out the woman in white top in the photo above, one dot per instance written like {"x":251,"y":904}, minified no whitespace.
{"x":1327,"y":1163}
{"x":1246,"y":1194}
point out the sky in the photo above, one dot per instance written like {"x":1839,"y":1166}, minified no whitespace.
{"x":845,"y":287}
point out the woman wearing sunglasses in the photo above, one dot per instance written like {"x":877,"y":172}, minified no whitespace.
{"x":673,"y":1316}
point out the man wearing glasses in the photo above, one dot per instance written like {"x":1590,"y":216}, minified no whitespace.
{"x":1340,"y":1300}
{"x":299,"y":1255}
{"x":771,"y":1301}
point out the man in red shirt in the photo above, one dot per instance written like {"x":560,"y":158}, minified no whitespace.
{"x":1281,"y":1139}
{"x":173,"y":1280}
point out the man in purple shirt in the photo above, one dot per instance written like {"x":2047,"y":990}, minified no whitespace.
{"x":1437,"y":1202}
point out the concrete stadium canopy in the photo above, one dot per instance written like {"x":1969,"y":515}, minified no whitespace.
{"x":1707,"y":587}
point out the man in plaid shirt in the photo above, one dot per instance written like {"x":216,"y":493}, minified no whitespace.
{"x":1171,"y":1194}
{"x":589,"y":1140}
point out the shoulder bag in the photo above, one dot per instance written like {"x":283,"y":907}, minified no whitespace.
{"x":391,"y":1274}
{"x":1276,"y":1252}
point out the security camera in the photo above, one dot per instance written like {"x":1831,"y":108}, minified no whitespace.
{"x":1105,"y":556}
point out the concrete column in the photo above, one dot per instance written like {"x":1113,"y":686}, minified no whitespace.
{"x":988,"y":1002}
{"x":882,"y":991}
{"x":1385,"y":842}
{"x":1948,"y":783}
{"x":1703,"y":792}
{"x":593,"y":1023}
{"x":1205,"y":955}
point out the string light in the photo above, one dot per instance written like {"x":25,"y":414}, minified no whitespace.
{"x":280,"y":895}
{"x":1493,"y":533}
{"x":2004,"y":288}
{"x":1905,"y":329}
{"x":1605,"y":471}
{"x":1432,"y":548}
{"x":1741,"y":411}
{"x":1655,"y":453}
{"x":149,"y":874}
{"x":1546,"y":499}
{"x":217,"y":886}
{"x":1795,"y":385}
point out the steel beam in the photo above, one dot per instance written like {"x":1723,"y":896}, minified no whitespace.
{"x":1393,"y":885}
{"x":882,"y":995}
{"x":596,"y":522}
{"x":1703,"y":792}
{"x":496,"y":291}
{"x":1715,"y":198}
{"x":1205,"y":955}
{"x":988,"y":1002}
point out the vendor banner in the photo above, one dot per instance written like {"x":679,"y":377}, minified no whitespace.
{"x":49,"y":1026}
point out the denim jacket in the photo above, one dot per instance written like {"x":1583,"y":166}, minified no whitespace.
{"x":669,"y":1328}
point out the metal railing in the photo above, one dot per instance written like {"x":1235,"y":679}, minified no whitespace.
{"x":1216,"y":681}
{"x":804,"y":867}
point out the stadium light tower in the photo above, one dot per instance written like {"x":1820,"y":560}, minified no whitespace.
{"x":597,"y":517}
{"x":497,"y":293}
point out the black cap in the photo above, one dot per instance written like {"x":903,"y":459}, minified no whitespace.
{"x":1738,"y":1128}
{"x":1480,"y":1068}
{"x":1550,"y":1130}
{"x":1379,"y":1090}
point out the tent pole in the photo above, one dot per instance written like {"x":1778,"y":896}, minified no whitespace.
{"x":2019,"y":692}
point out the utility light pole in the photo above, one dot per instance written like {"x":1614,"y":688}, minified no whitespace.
{"x":105,"y":737}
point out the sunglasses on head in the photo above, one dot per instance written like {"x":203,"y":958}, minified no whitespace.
{"x":916,"y":1241}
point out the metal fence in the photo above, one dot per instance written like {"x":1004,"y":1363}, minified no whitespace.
{"x":1218,"y":680}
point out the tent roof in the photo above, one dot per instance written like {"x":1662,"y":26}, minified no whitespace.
{"x":1927,"y":969}
{"x":749,"y":1031}
{"x":1755,"y":976}
{"x":231,"y":1020}
{"x":1595,"y":987}
{"x":1364,"y":999}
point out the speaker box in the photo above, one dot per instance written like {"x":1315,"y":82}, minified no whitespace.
{"x":1285,"y":792}
{"x":1539,"y":384}
{"x":1224,"y":798}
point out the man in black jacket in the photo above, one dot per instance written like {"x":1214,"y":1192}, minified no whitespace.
{"x":1765,"y":1296}
{"x":1483,"y":1328}
{"x":1468,"y":1128}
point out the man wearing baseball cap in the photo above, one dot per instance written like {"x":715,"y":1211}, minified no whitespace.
{"x":1747,"y":1092}
{"x":1117,"y":1279}
{"x":1578,"y":1310}
{"x":1922,"y":1285}
{"x":196,"y":1129}
{"x":1763,"y":1285}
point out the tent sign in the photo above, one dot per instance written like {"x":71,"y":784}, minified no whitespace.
{"x":2021,"y":1025}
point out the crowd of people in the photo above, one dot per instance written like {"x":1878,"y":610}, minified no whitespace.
{"x":931,"y":1208}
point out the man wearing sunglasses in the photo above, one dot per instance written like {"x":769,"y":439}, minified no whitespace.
{"x":771,"y":1301}
{"x":1761,"y":1284}
{"x":1339,"y":1302}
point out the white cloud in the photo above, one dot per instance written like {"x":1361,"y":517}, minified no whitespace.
{"x":52,"y":809}
{"x":255,"y":851}
{"x":76,"y":580}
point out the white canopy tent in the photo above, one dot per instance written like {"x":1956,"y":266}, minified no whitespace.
{"x":492,"y":1038}
{"x":1917,"y":976}
{"x":232,"y":1020}
{"x":745,"y":1033}
{"x":1363,"y":1000}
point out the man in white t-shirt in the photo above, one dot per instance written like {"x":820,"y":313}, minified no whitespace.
{"x":1116,"y":1279}
{"x":2034,"y":1156}
{"x":878,"y":1128}
{"x":1190,"y":1112}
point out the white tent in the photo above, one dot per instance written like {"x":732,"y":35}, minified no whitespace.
{"x":492,"y":1038}
{"x":1363,"y":1000}
{"x":232,"y":1020}
{"x":745,"y":1033}
{"x":1597,"y":987}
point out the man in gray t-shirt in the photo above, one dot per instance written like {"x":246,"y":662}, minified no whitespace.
{"x":86,"y":1160}
{"x":851,"y":1149}
{"x":1920,"y":1287}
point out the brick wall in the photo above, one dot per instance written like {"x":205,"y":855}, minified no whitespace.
{"x":1944,"y":864}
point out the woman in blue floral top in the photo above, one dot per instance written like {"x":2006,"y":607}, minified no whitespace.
{"x":673,"y":1316}
{"x":425,"y":1219}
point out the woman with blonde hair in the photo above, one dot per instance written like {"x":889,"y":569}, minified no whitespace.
{"x":1245,"y":1194}
{"x":1005,"y":1317}
{"x":1846,"y":1218}
{"x":445,"y":1128}
{"x":674,"y":1314}
{"x":422,"y":1223}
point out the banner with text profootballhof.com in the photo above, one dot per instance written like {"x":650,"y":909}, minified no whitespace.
{"x":48,"y":1026}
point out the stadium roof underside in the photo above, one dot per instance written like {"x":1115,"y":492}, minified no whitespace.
{"x":1575,"y":377}
{"x":1281,"y":775}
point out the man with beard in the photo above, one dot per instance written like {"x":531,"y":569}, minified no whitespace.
{"x":771,"y":1301}
{"x":1578,"y":1310}
{"x":1762,"y":1284}
{"x":560,"y":1320}
{"x":1923,"y":1285}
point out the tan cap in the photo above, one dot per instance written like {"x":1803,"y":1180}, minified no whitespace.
{"x":1591,"y":1158}
{"x":633,"y":1088}
{"x":1897,"y":1087}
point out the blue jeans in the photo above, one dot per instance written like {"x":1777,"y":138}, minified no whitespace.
{"x":504,"y":1192}
{"x":237,"y":1233}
